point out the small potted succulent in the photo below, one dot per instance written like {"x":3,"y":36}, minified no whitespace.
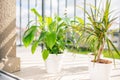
{"x":51,"y":32}
{"x":95,"y":35}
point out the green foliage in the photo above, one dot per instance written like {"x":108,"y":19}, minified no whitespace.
{"x":95,"y":32}
{"x":45,"y":54}
{"x":50,"y":39}
{"x":34,"y":46}
{"x":86,"y":51}
{"x":51,"y":32}
{"x":28,"y":36}
{"x":106,"y":54}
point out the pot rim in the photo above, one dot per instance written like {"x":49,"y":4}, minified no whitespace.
{"x":102,"y":63}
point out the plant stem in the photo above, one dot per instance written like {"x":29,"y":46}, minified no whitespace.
{"x":100,"y":50}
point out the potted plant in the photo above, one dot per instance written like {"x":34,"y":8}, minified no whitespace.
{"x":95,"y":35}
{"x":51,"y":32}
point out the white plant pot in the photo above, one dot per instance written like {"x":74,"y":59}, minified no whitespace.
{"x":100,"y":71}
{"x":54,"y":63}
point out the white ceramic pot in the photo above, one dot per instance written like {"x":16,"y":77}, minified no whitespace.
{"x":100,"y":71}
{"x":54,"y":63}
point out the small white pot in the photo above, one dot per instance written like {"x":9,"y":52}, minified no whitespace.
{"x":100,"y":71}
{"x":54,"y":63}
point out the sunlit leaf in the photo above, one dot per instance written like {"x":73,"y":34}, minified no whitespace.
{"x":81,"y":21}
{"x":42,"y":36}
{"x":48,"y":20}
{"x":29,"y":35}
{"x":50,"y":39}
{"x":45,"y":54}
{"x":34,"y":46}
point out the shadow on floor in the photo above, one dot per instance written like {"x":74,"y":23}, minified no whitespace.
{"x":74,"y":70}
{"x":39,"y":73}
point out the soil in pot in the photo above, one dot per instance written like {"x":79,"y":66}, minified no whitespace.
{"x":102,"y":61}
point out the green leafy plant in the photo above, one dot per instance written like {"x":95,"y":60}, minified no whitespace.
{"x":51,"y":32}
{"x":95,"y":32}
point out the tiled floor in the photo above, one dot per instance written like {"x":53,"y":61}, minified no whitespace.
{"x":75,"y":67}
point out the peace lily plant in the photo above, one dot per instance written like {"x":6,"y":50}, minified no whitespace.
{"x":51,"y":32}
{"x":95,"y":35}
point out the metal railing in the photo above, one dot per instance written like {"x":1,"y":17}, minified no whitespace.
{"x":46,"y":7}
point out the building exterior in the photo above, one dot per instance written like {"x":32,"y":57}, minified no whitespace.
{"x":8,"y":59}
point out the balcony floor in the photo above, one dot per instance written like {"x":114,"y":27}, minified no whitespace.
{"x":75,"y":67}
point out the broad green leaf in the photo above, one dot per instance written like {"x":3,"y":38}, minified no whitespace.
{"x":37,"y":14}
{"x":55,"y":50}
{"x":52,"y":26}
{"x":50,"y":39}
{"x":42,"y":36}
{"x":58,"y":18}
{"x":45,"y":54}
{"x":28,"y":36}
{"x":34,"y":46}
{"x":48,"y":20}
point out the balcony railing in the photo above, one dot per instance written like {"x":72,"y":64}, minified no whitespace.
{"x":48,"y":8}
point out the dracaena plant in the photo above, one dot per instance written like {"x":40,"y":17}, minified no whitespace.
{"x":50,"y":32}
{"x":95,"y":32}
